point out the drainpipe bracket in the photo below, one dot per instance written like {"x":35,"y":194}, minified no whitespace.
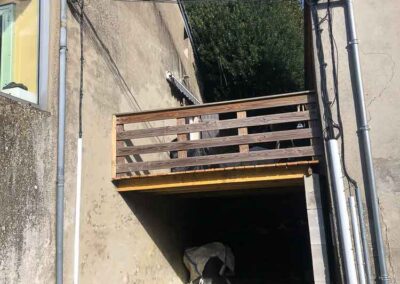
{"x":363,"y":129}
{"x":352,"y":42}
{"x":384,"y":279}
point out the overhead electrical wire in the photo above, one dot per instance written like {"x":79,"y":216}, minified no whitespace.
{"x":82,"y":60}
{"x":335,"y":70}
{"x":94,"y":35}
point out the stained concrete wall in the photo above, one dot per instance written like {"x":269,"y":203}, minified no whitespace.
{"x":379,"y":38}
{"x":128,"y":48}
{"x":27,"y":183}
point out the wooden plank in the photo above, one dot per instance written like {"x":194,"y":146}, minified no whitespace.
{"x":305,"y":163}
{"x":218,"y":142}
{"x":243,"y":148}
{"x":224,"y":107}
{"x":222,"y":159}
{"x":220,"y":124}
{"x":182,"y":137}
{"x":114,"y":147}
{"x":266,"y":97}
{"x":235,"y":189}
{"x":245,"y":187}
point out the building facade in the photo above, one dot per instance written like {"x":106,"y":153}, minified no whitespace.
{"x":378,"y":42}
{"x":128,"y":48}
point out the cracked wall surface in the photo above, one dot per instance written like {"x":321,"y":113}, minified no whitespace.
{"x":379,"y":43}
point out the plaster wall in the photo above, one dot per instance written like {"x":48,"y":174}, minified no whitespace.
{"x":379,"y":43}
{"x":128,"y":47}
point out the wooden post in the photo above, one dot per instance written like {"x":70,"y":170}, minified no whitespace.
{"x":314,"y":128}
{"x":182,"y":137}
{"x":114,"y":148}
{"x":120,"y":160}
{"x":242,"y":131}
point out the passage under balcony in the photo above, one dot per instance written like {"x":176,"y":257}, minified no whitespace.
{"x":262,"y":142}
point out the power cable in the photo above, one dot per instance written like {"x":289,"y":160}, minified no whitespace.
{"x":93,"y":33}
{"x":330,"y":124}
{"x":82,"y":60}
{"x":335,"y":70}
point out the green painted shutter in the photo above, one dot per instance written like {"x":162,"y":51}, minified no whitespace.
{"x":7,"y":27}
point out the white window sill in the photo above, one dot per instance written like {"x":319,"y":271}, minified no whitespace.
{"x":22,"y":95}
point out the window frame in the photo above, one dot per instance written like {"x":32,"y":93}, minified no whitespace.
{"x":44,"y":52}
{"x":43,"y":41}
{"x":7,"y":36}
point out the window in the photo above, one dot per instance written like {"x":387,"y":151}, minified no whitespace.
{"x":6,"y":44}
{"x":19,"y":43}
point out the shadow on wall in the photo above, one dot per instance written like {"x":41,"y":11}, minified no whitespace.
{"x":164,"y":223}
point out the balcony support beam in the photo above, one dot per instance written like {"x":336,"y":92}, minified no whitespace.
{"x":220,"y":179}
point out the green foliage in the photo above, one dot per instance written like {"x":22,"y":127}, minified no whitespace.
{"x":248,"y":48}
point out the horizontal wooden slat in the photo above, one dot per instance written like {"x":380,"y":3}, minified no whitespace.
{"x":218,"y":142}
{"x":222,"y":107}
{"x":220,"y":124}
{"x":222,"y":159}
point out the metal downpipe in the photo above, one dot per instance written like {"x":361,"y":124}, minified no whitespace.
{"x":364,"y":141}
{"x":363,"y":232}
{"x":61,"y":143}
{"x":357,"y":241}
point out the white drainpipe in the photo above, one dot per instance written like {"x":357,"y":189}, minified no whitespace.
{"x":339,"y":194}
{"x":77,"y":211}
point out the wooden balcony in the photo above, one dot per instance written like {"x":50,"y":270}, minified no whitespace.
{"x":256,"y":142}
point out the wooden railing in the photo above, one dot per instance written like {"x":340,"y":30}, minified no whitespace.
{"x":279,"y":128}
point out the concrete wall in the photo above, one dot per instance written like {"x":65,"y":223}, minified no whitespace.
{"x":27,"y":193}
{"x":379,"y":37}
{"x":128,"y":48}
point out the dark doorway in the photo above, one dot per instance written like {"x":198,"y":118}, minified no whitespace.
{"x":266,"y":229}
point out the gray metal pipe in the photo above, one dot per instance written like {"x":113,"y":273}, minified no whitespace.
{"x":364,"y":141}
{"x":357,"y":241}
{"x":363,"y":233}
{"x":61,"y":143}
